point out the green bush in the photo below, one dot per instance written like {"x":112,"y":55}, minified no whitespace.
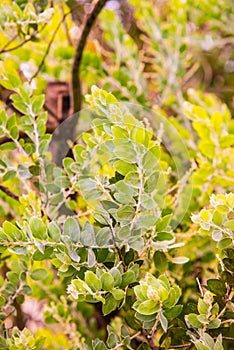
{"x":116,"y":254}
{"x":124,"y":240}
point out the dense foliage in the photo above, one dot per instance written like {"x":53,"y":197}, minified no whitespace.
{"x":117,"y":227}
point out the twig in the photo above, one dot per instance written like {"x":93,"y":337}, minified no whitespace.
{"x":9,"y":193}
{"x":49,"y":110}
{"x":9,"y":42}
{"x":115,"y":244}
{"x":76,"y":83}
{"x":189,"y":345}
{"x":149,"y":340}
{"x":49,"y":46}
{"x":66,"y":28}
{"x":4,"y":50}
{"x":228,"y":338}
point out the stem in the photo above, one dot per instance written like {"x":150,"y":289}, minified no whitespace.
{"x":49,"y":46}
{"x":66,"y":28}
{"x":76,"y":83}
{"x":149,"y":340}
{"x":4,"y":49}
{"x":115,"y":245}
{"x":141,"y":189}
{"x":9,"y":193}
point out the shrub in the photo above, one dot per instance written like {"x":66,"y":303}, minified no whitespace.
{"x":117,"y":257}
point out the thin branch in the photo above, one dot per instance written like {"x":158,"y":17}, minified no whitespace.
{"x":4,"y":50}
{"x":49,"y":110}
{"x":149,"y":340}
{"x":228,"y":338}
{"x":66,"y":28}
{"x":189,"y":345}
{"x":181,"y":346}
{"x":49,"y":46}
{"x":9,"y":42}
{"x":76,"y":83}
{"x":9,"y":193}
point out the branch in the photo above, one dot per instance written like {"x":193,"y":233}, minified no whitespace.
{"x":9,"y":42}
{"x":76,"y":83}
{"x":181,"y":346}
{"x":49,"y":46}
{"x":66,"y":27}
{"x":4,"y":49}
{"x":9,"y":193}
{"x":149,"y":340}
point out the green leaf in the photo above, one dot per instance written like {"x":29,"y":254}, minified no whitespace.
{"x":21,"y":107}
{"x":86,"y":184}
{"x":62,"y":181}
{"x":202,"y":306}
{"x":218,"y":344}
{"x":163,"y":321}
{"x":164,"y":236}
{"x":3,"y":117}
{"x":173,"y":312}
{"x":193,"y":320}
{"x":26,"y":290}
{"x":104,"y":237}
{"x":125,"y":213}
{"x":72,"y":229}
{"x":226,"y":141}
{"x":126,"y":153}
{"x":54,"y":231}
{"x":180,"y":260}
{"x":93,"y":281}
{"x":12,"y":231}
{"x":123,"y":167}
{"x":13,"y":277}
{"x":14,"y":79}
{"x":224,"y":243}
{"x":3,"y":344}
{"x":214,"y":324}
{"x":148,"y":307}
{"x":216,"y":286}
{"x":151,"y":158}
{"x":146,"y":220}
{"x":160,"y":261}
{"x":119,"y":132}
{"x":39,"y":256}
{"x":112,"y":340}
{"x":88,"y":235}
{"x":107,"y":281}
{"x":18,"y":250}
{"x":37,"y":104}
{"x":38,"y":228}
{"x":9,"y":175}
{"x":118,"y":294}
{"x":23,"y":171}
{"x":136,"y":243}
{"x":124,"y":232}
{"x":14,"y":132}
{"x":2,"y":300}
{"x":7,"y":146}
{"x":209,"y":340}
{"x":116,"y":275}
{"x":203,"y":319}
{"x":127,"y":278}
{"x":140,"y":135}
{"x":200,"y":346}
{"x":39,"y":274}
{"x":229,"y":224}
{"x":110,"y":305}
